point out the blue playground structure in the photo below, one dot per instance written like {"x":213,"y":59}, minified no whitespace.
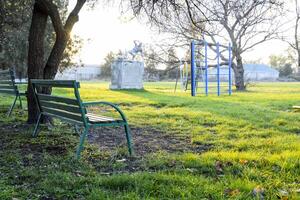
{"x":207,"y":77}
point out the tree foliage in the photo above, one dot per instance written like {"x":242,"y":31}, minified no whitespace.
{"x":282,"y":63}
{"x":152,"y":61}
{"x":14,"y":26}
{"x":15,"y":18}
{"x":106,"y":66}
{"x":278,"y":61}
{"x":286,"y":70}
{"x":171,"y":64}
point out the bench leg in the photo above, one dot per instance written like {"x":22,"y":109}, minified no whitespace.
{"x":35,"y":132}
{"x":21,"y":106}
{"x":82,"y":138}
{"x":12,"y":106}
{"x":128,"y":137}
{"x":77,"y":129}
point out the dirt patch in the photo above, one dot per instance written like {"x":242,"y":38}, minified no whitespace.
{"x":145,"y":140}
{"x":111,"y":141}
{"x":39,"y":148}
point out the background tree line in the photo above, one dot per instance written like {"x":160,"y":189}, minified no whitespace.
{"x":153,"y":59}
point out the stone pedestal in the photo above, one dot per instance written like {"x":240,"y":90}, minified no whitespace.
{"x":127,"y":74}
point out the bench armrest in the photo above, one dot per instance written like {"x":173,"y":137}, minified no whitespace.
{"x":94,"y":103}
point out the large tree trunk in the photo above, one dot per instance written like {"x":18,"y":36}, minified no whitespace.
{"x":1,"y":25}
{"x":35,"y":56}
{"x":36,"y":67}
{"x":298,"y":62}
{"x":296,"y":47}
{"x":239,"y":73}
{"x":2,"y":19}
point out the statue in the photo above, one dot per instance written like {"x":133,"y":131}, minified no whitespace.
{"x":136,"y":49}
{"x":127,"y":73}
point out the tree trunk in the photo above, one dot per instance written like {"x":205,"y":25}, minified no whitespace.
{"x":296,"y":47}
{"x":298,"y":62}
{"x":35,"y":57}
{"x":239,"y":73}
{"x":36,"y":67}
{"x":55,"y":57}
{"x":2,"y":19}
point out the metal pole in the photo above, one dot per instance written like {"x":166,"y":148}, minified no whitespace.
{"x":218,"y":68}
{"x":177,"y":74}
{"x":193,"y":89}
{"x":206,"y":69}
{"x":229,"y":70}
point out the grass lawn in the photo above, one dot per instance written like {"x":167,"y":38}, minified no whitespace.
{"x":244,"y":146}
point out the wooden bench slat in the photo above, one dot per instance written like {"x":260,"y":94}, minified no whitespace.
{"x":65,"y":100}
{"x":7,"y":91}
{"x":100,"y":117}
{"x":8,"y":87}
{"x":61,"y":113}
{"x":64,"y":119}
{"x":5,"y":71}
{"x":6,"y":82}
{"x":5,"y":76}
{"x":95,"y":119}
{"x":63,"y":107}
{"x":55,"y":83}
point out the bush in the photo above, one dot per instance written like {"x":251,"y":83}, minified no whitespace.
{"x":286,"y":70}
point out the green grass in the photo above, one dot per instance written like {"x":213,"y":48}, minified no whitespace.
{"x":254,"y":140}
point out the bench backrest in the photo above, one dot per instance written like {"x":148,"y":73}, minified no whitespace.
{"x":69,"y":109}
{"x":7,"y":82}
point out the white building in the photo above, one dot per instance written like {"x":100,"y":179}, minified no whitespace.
{"x":87,"y":72}
{"x":252,"y":72}
{"x":260,"y":72}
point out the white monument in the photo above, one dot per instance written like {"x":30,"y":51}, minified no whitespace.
{"x":128,"y":73}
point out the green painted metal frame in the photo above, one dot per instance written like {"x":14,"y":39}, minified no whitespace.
{"x":35,"y":83}
{"x":15,"y":92}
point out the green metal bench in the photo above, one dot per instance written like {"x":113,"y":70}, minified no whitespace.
{"x":74,"y":111}
{"x":8,"y":86}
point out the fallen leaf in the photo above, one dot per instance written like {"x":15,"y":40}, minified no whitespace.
{"x":232,"y":192}
{"x":219,"y":166}
{"x":243,"y":161}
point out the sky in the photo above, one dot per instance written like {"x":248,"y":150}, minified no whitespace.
{"x":104,"y":29}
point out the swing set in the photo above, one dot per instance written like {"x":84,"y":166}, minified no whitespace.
{"x":207,"y":74}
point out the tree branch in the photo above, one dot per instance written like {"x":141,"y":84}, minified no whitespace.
{"x":51,"y":9}
{"x":73,"y":17}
